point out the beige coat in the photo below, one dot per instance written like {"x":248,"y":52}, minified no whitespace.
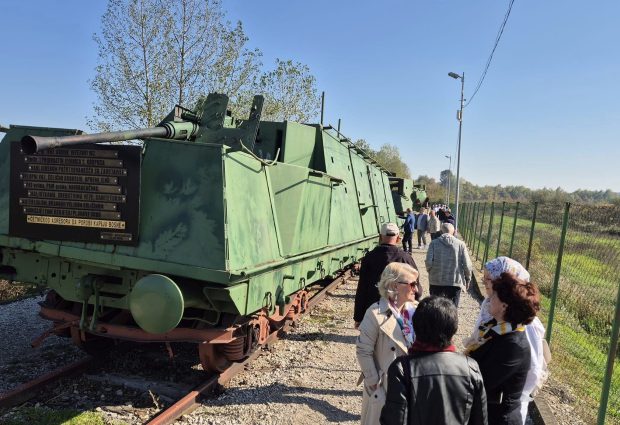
{"x":434,"y":225}
{"x":380,"y":342}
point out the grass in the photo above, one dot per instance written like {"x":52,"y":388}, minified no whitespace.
{"x":587,"y":289}
{"x":43,"y":416}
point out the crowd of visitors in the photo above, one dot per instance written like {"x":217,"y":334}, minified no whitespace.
{"x":426,"y":220}
{"x":411,"y":372}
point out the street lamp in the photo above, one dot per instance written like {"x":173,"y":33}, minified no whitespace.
{"x":449,"y":178}
{"x":459,"y":116}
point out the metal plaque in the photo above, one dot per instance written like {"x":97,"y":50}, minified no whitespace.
{"x":89,"y":193}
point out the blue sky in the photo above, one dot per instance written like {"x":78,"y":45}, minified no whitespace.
{"x":546,"y":115}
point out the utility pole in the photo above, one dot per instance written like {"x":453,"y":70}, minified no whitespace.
{"x":449,"y":179}
{"x":459,"y":116}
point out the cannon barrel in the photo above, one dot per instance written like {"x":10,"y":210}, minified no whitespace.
{"x":168,"y":130}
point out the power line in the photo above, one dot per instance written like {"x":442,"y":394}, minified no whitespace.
{"x":499,"y":35}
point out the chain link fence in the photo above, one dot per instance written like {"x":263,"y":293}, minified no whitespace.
{"x":573,"y":253}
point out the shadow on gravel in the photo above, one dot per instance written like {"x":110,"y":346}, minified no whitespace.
{"x":474,"y":289}
{"x":321,"y":336}
{"x":278,"y":393}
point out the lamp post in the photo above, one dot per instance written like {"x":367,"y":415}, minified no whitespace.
{"x":459,"y":116}
{"x":449,"y":178}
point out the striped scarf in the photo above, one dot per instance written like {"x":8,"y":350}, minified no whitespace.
{"x":489,"y":330}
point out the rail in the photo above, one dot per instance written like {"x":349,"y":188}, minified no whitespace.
{"x":192,"y":400}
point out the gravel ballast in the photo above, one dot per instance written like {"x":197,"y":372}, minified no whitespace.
{"x":20,"y":324}
{"x":310,"y":375}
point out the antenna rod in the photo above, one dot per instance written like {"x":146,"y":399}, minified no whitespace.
{"x":322,"y":105}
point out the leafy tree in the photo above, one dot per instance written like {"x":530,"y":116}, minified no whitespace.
{"x":364,"y":145}
{"x":291,"y":92}
{"x":446,"y":176}
{"x":154,"y":53}
{"x":388,"y":156}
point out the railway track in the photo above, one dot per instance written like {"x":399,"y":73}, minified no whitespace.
{"x":191,"y":400}
{"x":28,"y":390}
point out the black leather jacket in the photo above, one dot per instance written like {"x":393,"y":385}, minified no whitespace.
{"x":445,"y":388}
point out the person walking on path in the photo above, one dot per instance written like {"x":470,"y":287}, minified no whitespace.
{"x":449,"y":218}
{"x":448,"y":265}
{"x":434,"y":226}
{"x":408,"y":228}
{"x":386,"y":333}
{"x":422,"y":226}
{"x":372,"y":266}
{"x":435,"y":384}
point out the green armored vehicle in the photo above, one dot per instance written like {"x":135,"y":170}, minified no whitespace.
{"x":405,"y":194}
{"x":208,"y":232}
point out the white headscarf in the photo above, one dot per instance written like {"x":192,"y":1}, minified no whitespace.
{"x":501,"y":265}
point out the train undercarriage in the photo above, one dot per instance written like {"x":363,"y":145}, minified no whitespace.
{"x":231,"y":340}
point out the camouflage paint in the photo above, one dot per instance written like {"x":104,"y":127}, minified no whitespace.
{"x":217,"y":217}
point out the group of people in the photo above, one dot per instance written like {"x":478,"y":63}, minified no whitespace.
{"x":411,"y":370}
{"x":423,"y":222}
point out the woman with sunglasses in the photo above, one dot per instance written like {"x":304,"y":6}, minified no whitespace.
{"x":386,"y":332}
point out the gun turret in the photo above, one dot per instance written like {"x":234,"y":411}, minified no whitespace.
{"x":180,"y":124}
{"x":167,"y":130}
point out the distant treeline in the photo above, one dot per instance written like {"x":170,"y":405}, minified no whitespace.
{"x":388,"y":155}
{"x":470,"y":192}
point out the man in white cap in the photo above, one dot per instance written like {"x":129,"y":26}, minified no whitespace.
{"x":373,"y":263}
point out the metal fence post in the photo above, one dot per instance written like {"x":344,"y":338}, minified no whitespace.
{"x":609,"y":370}
{"x":460,"y":218}
{"x":514,"y":228}
{"x":474,"y":225}
{"x":529,"y":244}
{"x":469,"y":214}
{"x":558,"y":268}
{"x":471,"y":221}
{"x":463,"y":219}
{"x":501,"y":228}
{"x":466,"y":232}
{"x":484,"y":211}
{"x":489,"y":233}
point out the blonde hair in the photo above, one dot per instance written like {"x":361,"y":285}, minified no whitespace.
{"x":393,"y":273}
